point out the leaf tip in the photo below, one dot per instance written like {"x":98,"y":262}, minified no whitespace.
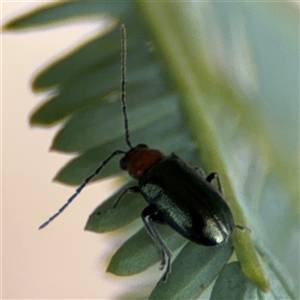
{"x":9,"y":26}
{"x":257,"y":277}
{"x":92,"y":224}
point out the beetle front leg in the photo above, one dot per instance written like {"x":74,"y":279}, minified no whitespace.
{"x":213,"y":176}
{"x":148,"y":217}
{"x":132,"y":189}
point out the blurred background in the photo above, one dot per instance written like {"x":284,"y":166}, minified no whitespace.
{"x":62,"y":261}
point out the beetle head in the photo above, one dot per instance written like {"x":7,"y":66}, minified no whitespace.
{"x":139,"y":159}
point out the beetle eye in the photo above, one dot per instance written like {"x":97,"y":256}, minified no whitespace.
{"x":123,"y":163}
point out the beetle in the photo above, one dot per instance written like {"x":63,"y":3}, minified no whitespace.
{"x":178,"y":194}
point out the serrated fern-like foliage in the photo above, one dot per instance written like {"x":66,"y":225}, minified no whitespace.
{"x":201,"y":83}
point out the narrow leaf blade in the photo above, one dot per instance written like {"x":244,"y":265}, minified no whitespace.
{"x":140,"y":252}
{"x":193,"y":271}
{"x":232,"y":284}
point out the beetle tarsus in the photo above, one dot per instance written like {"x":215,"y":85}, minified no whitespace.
{"x":166,"y":273}
{"x":163,"y":260}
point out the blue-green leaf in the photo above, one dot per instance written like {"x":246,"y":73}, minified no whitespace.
{"x":193,"y":270}
{"x":106,"y":218}
{"x":61,"y":12}
{"x":232,"y":284}
{"x":140,"y":252}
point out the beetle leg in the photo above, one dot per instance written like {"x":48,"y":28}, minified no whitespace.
{"x":159,"y":219}
{"x":213,"y":176}
{"x":132,"y":189}
{"x":148,"y":216}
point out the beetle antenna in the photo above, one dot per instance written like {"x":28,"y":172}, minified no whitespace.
{"x":123,"y":93}
{"x":86,"y":181}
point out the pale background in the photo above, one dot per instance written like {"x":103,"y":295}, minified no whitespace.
{"x":61,"y":261}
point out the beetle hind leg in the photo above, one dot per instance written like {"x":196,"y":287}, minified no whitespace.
{"x":149,"y":216}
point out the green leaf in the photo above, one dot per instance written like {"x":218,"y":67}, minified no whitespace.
{"x":214,"y":82}
{"x":140,"y":252}
{"x":193,"y":271}
{"x":232,"y":284}
{"x":281,"y":285}
{"x":90,"y":86}
{"x":104,"y":218}
{"x":51,"y":14}
{"x":99,"y":52}
{"x":89,"y":118}
{"x":84,"y":165}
